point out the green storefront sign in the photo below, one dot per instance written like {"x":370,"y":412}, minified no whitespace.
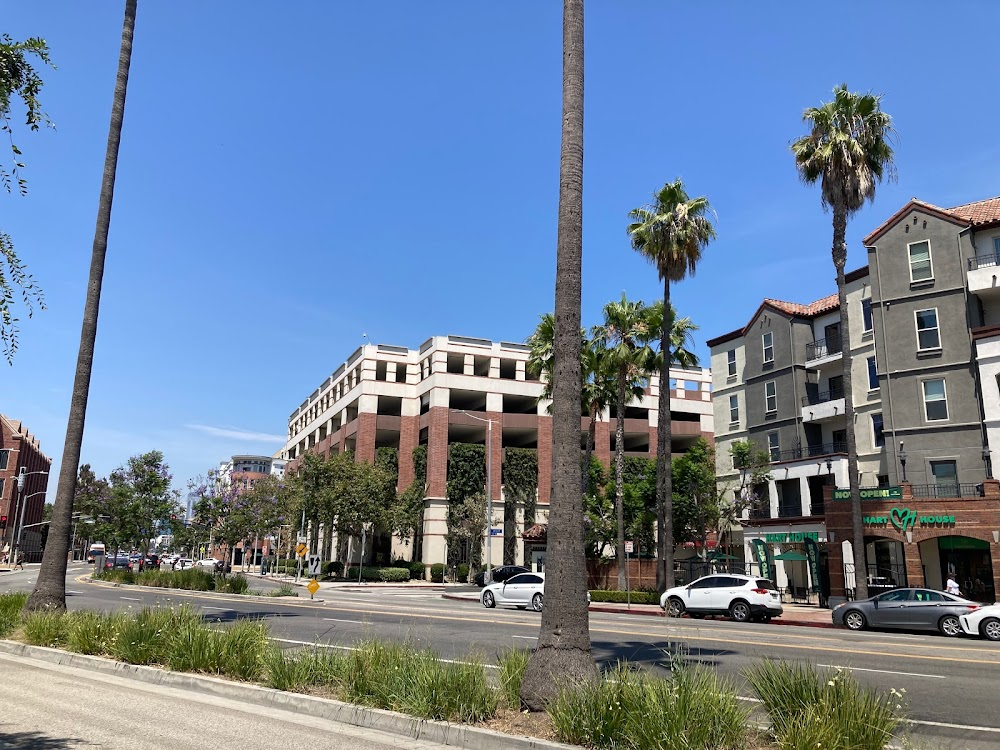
{"x":871,"y":493}
{"x":906,"y":518}
{"x":799,"y":536}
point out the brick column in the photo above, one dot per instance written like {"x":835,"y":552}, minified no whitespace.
{"x":602,"y":441}
{"x":409,"y":436}
{"x":914,"y":565}
{"x":995,"y":556}
{"x":545,"y":458}
{"x":437,"y":452}
{"x":991,"y":489}
{"x":497,"y":418}
{"x":364,"y":439}
{"x":835,"y":561}
{"x":907,"y":489}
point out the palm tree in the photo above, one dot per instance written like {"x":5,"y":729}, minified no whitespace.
{"x":563,"y":652}
{"x":50,"y":588}
{"x":627,"y":337}
{"x":671,"y":233}
{"x":847,"y":151}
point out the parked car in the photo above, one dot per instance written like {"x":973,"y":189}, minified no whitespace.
{"x":118,"y":562}
{"x":522,"y":591}
{"x":153,"y":561}
{"x":499,"y":574}
{"x":741,"y":597}
{"x":906,"y":609}
{"x":210,"y":563}
{"x":183,"y":563}
{"x":984,"y":621}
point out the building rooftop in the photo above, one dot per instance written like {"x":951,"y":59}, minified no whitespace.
{"x":976,"y":214}
{"x":980,"y":212}
{"x":810,"y":310}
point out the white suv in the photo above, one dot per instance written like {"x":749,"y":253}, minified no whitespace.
{"x":741,"y":597}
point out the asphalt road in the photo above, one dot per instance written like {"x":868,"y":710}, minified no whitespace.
{"x":950,"y":682}
{"x":62,"y":707}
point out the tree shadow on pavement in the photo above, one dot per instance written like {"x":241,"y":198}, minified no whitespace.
{"x":36,"y":741}
{"x":229,"y":616}
{"x":661,"y":654}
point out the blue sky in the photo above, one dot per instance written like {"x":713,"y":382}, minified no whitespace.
{"x":293,"y":176}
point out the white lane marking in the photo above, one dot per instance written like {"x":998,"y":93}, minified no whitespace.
{"x":355,"y":648}
{"x":221,"y":609}
{"x":526,"y":637}
{"x":130,"y":598}
{"x":883,"y":671}
{"x":74,"y":592}
{"x":954,"y":726}
{"x":334,"y":619}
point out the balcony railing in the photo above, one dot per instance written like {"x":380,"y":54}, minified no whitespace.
{"x":790,"y":510}
{"x":809,"y":451}
{"x":983,"y":261}
{"x":945,"y":490}
{"x":823,"y":348}
{"x":822,"y":397}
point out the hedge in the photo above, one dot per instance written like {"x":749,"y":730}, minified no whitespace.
{"x":385,"y":575}
{"x":417,"y":571}
{"x":437,"y":572}
{"x":334,"y":568}
{"x":620,"y":597}
{"x":462,"y":573}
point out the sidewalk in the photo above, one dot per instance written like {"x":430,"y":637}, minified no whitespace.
{"x":793,"y":614}
{"x":350,"y":585}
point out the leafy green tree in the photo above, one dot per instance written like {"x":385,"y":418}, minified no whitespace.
{"x":140,"y":499}
{"x":671,"y":232}
{"x":19,"y":81}
{"x":563,"y":654}
{"x":697,"y":497}
{"x":50,"y":587}
{"x":847,"y":151}
{"x":626,"y":338}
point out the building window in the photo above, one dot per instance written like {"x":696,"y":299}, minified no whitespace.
{"x":866,"y":314}
{"x":996,"y":246}
{"x":770,"y":396}
{"x":928,"y":336}
{"x":921,"y":268}
{"x":734,"y":410}
{"x":768,"y":341}
{"x":945,"y":477}
{"x":877,"y":430}
{"x":731,"y":362}
{"x":935,"y":400}
{"x":872,"y":374}
{"x":773,"y":446}
{"x":3,"y":459}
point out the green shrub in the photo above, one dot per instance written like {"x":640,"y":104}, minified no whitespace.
{"x":437,"y":572}
{"x":45,"y":629}
{"x":234,"y":584}
{"x":621,"y":597}
{"x":693,"y":708}
{"x":242,"y":649}
{"x":385,"y":575}
{"x":116,"y":576}
{"x":285,"y":589}
{"x":92,"y":633}
{"x":334,"y":568}
{"x":417,"y":571}
{"x":805,"y":704}
{"x":192,"y":647}
{"x":512,"y":662}
{"x":462,"y":573}
{"x":287,"y":671}
{"x":10,"y":611}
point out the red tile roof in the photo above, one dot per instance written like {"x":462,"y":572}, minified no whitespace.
{"x":980,"y":212}
{"x":820,"y":306}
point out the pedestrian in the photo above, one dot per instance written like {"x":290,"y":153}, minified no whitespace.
{"x":952,"y":586}
{"x":20,"y":561}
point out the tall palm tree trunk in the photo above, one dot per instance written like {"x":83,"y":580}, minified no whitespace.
{"x":664,"y":500}
{"x":563,"y":652}
{"x":620,"y":481}
{"x":50,"y":588}
{"x":857,"y":529}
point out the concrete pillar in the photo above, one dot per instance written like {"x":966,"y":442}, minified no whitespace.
{"x":772,"y":492}
{"x":469,"y":365}
{"x":806,"y":497}
{"x":519,"y":369}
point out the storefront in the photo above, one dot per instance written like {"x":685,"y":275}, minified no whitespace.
{"x":919,"y":541}
{"x":787,"y":549}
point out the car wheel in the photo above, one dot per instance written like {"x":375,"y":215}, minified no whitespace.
{"x":990,"y":628}
{"x":950,"y":626}
{"x":537,"y":602}
{"x":675,"y":607}
{"x":739,"y":611}
{"x":488,"y":601}
{"x":854,"y":620}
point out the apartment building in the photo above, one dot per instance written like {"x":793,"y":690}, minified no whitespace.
{"x":455,"y":389}
{"x":19,"y":449}
{"x":924,"y":348}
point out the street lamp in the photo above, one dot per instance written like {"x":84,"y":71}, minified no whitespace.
{"x":19,"y":526}
{"x":902,"y":459}
{"x":489,"y":487}
{"x":988,"y":461}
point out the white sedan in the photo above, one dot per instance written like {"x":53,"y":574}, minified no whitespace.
{"x":210,"y":563}
{"x":984,"y":621}
{"x":183,"y":563}
{"x":521,"y":591}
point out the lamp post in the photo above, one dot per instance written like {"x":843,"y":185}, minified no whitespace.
{"x":902,"y":459}
{"x":988,"y":461}
{"x":21,"y":477}
{"x":489,"y":487}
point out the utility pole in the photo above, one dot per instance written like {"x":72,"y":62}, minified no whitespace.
{"x":489,"y":489}
{"x":22,"y":475}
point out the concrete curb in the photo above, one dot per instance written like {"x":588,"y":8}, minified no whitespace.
{"x":657,"y":613}
{"x":455,"y":735}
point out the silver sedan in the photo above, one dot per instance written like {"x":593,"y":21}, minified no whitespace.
{"x":906,"y":609}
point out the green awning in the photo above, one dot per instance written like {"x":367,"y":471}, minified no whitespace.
{"x":791,"y":556}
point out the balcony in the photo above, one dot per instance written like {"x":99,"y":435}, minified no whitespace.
{"x":983,"y":273}
{"x":823,"y":406}
{"x":821,"y":352}
{"x":947,"y":490}
{"x":810,"y":451}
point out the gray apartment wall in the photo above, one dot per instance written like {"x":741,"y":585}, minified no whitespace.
{"x":895,"y":301}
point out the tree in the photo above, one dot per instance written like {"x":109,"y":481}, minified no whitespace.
{"x":697,"y":497}
{"x":563,"y":652}
{"x":671,"y":233}
{"x":18,"y":80}
{"x":50,"y":588}
{"x":140,"y":500}
{"x":847,"y":151}
{"x":626,"y":339}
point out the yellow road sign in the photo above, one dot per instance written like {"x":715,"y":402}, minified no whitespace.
{"x":302,"y":550}
{"x":313,"y":587}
